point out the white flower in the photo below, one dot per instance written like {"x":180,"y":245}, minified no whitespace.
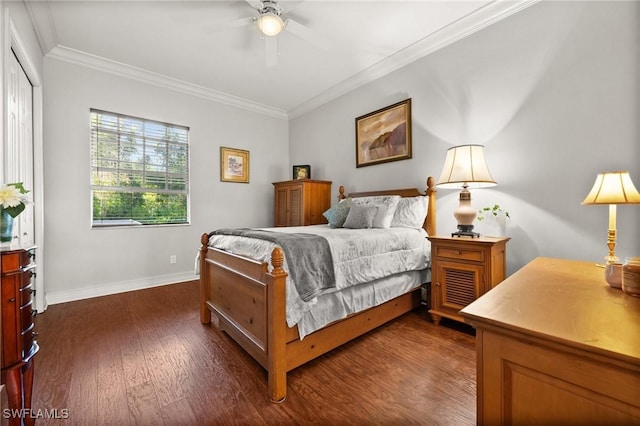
{"x":10,"y":196}
{"x":13,"y":198}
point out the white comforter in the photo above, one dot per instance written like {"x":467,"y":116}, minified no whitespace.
{"x":359,"y":256}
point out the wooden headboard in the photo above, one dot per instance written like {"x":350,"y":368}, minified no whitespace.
{"x":430,"y":220}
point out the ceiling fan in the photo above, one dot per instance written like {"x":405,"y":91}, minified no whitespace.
{"x":272,"y":20}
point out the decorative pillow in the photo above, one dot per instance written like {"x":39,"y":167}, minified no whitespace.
{"x":360,"y":217}
{"x":337,"y":214}
{"x":386,"y":208}
{"x":410,"y":213}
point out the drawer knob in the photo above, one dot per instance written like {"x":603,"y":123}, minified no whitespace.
{"x":13,"y":299}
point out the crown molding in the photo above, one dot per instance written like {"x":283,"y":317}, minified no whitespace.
{"x":491,"y":13}
{"x":127,"y":71}
{"x":43,"y":26}
{"x":463,"y":27}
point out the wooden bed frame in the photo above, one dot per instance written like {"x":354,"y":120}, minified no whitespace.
{"x":248,"y":298}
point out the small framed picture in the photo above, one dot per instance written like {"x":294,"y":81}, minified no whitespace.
{"x":234,"y":165}
{"x":302,"y":172}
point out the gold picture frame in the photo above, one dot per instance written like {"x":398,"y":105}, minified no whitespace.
{"x":384,"y":135}
{"x":234,"y":165}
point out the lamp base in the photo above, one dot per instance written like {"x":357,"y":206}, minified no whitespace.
{"x":465,"y":231}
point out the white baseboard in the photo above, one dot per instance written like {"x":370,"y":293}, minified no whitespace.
{"x":52,"y":298}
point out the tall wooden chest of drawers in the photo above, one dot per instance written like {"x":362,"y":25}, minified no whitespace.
{"x":18,"y":336}
{"x":301,"y":202}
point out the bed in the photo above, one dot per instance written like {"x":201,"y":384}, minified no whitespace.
{"x":250,"y":295}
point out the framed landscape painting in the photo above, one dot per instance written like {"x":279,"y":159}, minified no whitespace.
{"x":234,"y":165}
{"x":384,"y":135}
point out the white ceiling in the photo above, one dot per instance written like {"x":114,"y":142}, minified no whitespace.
{"x":195,"y":46}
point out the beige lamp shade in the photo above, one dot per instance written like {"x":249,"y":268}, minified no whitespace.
{"x":465,"y":167}
{"x":465,"y":164}
{"x":613,"y":188}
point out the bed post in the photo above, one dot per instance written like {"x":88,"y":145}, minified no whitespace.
{"x":205,"y":313}
{"x":431,"y":208}
{"x":277,"y":328}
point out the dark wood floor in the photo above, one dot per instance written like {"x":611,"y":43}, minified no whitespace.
{"x":143,"y":358}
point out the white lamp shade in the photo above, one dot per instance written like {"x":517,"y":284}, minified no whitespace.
{"x":270,"y":24}
{"x":465,"y":164}
{"x":613,"y":188}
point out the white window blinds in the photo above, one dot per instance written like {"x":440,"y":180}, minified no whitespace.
{"x":139,"y":171}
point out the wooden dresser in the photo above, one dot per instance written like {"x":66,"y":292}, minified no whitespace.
{"x":18,"y":336}
{"x":301,"y":202}
{"x":557,"y":345}
{"x":463,"y":269}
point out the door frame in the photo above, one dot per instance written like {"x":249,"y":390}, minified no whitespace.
{"x":11,"y":40}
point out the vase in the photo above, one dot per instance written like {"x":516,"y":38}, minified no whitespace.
{"x":6,"y":226}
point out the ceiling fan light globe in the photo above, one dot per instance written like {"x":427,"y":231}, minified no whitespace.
{"x":270,"y":24}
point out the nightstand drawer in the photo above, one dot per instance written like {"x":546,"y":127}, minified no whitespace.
{"x":460,"y":253}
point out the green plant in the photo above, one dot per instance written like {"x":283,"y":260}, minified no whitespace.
{"x":495,"y":210}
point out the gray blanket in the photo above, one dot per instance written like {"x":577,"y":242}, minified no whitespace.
{"x":308,"y":258}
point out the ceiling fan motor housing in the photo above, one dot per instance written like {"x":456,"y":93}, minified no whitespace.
{"x":270,"y":22}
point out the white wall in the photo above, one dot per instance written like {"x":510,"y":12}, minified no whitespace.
{"x":552,"y":93}
{"x":82,"y":262}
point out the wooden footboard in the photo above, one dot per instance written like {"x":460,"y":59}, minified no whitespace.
{"x":248,"y":298}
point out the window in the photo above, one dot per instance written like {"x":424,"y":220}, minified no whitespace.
{"x":139,"y":171}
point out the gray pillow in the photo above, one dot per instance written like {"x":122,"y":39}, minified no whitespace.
{"x":360,"y":216}
{"x":337,"y":214}
{"x":386,"y":208}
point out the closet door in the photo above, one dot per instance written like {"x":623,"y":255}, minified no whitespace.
{"x":19,"y":150}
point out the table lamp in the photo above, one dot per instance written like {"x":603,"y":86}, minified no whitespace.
{"x":613,"y":188}
{"x":465,"y":167}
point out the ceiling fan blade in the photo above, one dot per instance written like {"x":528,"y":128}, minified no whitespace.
{"x":271,"y":51}
{"x":306,"y":34}
{"x":255,"y":4}
{"x":237,"y":23}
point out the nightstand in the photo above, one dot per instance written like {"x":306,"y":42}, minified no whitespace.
{"x":463,"y":269}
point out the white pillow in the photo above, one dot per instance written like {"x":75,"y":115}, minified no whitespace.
{"x":386,"y":208}
{"x":410,"y":212}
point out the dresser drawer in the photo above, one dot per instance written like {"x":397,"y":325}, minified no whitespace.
{"x":25,"y":293}
{"x":27,"y":340}
{"x":13,"y":261}
{"x":26,"y":316}
{"x":460,"y":253}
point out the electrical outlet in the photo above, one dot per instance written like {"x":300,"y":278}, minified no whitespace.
{"x":172,"y":259}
